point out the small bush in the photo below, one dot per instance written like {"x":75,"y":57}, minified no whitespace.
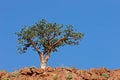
{"x":6,"y":79}
{"x":55,"y":77}
{"x":69,"y":77}
{"x":15,"y":73}
{"x":105,"y":75}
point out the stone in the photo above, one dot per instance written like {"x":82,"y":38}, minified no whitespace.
{"x":38,"y":70}
{"x":2,"y":73}
{"x":25,"y":71}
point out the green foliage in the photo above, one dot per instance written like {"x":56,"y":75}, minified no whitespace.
{"x":105,"y":75}
{"x":6,"y":79}
{"x":55,"y":77}
{"x":14,"y":74}
{"x":47,"y":37}
{"x":69,"y":77}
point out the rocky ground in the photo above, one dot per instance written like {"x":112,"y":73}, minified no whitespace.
{"x":60,"y":74}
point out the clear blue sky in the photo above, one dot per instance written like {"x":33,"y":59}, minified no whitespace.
{"x":99,"y":20}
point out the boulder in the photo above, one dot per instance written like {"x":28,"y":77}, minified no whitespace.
{"x":2,"y":73}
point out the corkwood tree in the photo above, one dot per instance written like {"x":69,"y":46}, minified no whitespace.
{"x":46,"y":38}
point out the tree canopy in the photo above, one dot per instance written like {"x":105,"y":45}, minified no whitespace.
{"x":46,"y":37}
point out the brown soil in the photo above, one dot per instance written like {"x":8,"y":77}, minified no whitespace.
{"x":61,"y":74}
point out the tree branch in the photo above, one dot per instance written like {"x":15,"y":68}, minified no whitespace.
{"x":54,"y":35}
{"x":35,"y":47}
{"x":47,"y":57}
{"x":57,"y":42}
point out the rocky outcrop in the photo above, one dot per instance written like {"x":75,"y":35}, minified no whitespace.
{"x":61,"y":74}
{"x":2,"y":73}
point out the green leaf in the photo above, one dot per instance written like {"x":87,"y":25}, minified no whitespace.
{"x":44,"y":35}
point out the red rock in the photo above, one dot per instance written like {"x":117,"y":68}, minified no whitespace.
{"x":2,"y":73}
{"x":49,"y":74}
{"x":25,"y":71}
{"x":49,"y":69}
{"x":114,"y":75}
{"x":98,"y":71}
{"x":38,"y":70}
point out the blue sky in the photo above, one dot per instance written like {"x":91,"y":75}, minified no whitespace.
{"x":99,"y":20}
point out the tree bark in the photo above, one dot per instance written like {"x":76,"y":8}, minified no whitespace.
{"x":41,"y":55}
{"x":43,"y":63}
{"x":43,"y":60}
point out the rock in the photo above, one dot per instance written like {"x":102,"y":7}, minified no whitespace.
{"x":74,"y":70}
{"x":61,"y":74}
{"x":7,"y":75}
{"x":99,"y":71}
{"x":2,"y":73}
{"x":114,"y":75}
{"x":25,"y":71}
{"x":49,"y":69}
{"x":38,"y":70}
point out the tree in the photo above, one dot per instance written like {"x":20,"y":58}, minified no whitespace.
{"x":46,"y":38}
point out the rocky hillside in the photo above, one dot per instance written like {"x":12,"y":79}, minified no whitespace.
{"x":61,"y":74}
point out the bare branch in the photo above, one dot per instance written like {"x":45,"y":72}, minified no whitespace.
{"x":47,"y":56}
{"x":54,"y":35}
{"x":35,"y":47}
{"x":57,"y":42}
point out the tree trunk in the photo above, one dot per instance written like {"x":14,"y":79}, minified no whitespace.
{"x":43,"y":60}
{"x":43,"y":64}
